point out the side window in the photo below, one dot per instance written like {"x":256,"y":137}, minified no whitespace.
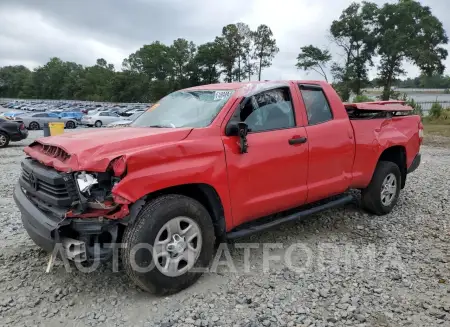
{"x":103,"y":114}
{"x":41,"y":115}
{"x":317,"y":107}
{"x":269,"y":110}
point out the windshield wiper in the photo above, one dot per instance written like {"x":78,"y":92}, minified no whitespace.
{"x":160,"y":126}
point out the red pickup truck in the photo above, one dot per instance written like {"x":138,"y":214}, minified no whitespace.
{"x":209,"y":163}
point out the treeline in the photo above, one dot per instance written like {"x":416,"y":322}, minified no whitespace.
{"x":393,"y":33}
{"x":365,"y":33}
{"x":435,"y":81}
{"x":151,"y":72}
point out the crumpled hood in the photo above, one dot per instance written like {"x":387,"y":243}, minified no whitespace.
{"x":94,"y":149}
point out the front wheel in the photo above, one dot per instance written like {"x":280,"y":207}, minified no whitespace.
{"x":382,"y":194}
{"x":172,"y":236}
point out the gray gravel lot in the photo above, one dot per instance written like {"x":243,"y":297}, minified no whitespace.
{"x":358,"y":270}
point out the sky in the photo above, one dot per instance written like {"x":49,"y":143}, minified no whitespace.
{"x":33,"y":31}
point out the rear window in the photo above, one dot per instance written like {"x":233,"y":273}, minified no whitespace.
{"x":317,"y":106}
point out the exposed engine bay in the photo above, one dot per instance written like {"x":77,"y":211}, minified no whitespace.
{"x":95,"y":190}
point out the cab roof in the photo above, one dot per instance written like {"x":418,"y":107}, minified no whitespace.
{"x":245,"y":89}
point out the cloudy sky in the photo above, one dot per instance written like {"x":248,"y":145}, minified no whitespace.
{"x":32,"y":31}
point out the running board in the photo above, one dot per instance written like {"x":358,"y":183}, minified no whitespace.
{"x":300,"y":214}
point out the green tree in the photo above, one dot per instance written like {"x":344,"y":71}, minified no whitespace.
{"x":228,"y":45}
{"x":313,"y":58}
{"x":13,"y":80}
{"x":97,"y":81}
{"x":130,"y":86}
{"x":182,"y":52}
{"x":353,"y":33}
{"x":245,"y":48}
{"x":207,"y":60}
{"x":153,"y":59}
{"x":265,"y":47}
{"x":408,"y":30}
{"x":341,"y":80}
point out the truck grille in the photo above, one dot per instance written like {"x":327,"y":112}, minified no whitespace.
{"x":47,"y":184}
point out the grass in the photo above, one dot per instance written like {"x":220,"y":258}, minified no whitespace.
{"x":435,"y":129}
{"x":437,"y":132}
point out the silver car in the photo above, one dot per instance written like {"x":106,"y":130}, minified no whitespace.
{"x":100,"y":118}
{"x":37,"y":121}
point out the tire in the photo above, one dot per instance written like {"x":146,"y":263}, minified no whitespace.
{"x":371,"y":197}
{"x":34,"y":126}
{"x":4,"y":140}
{"x":70,"y":125}
{"x":98,"y":123}
{"x":147,"y":228}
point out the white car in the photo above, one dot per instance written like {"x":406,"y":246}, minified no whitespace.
{"x":100,"y":118}
{"x":125,"y":121}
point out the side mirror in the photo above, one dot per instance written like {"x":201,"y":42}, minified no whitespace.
{"x":239,"y":129}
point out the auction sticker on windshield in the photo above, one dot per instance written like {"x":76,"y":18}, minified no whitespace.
{"x":220,"y":95}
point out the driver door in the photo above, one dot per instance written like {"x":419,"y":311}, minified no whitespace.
{"x":272,"y":175}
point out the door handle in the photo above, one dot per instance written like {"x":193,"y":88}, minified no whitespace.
{"x":297,"y":140}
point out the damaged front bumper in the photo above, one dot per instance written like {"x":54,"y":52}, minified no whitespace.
{"x":83,"y":239}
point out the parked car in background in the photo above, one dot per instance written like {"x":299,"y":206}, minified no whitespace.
{"x":11,"y":131}
{"x":72,"y":115}
{"x":12,"y":115}
{"x":36,"y":121}
{"x":131,"y":111}
{"x":125,"y":121}
{"x":100,"y":118}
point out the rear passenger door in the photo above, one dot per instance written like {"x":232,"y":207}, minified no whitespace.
{"x":104,"y":117}
{"x":331,"y":144}
{"x":271,"y":176}
{"x":41,"y":118}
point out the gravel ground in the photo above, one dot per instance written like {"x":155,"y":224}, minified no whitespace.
{"x":358,"y":270}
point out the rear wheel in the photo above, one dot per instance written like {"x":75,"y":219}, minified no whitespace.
{"x":70,"y":124}
{"x":98,"y":123}
{"x":4,"y":140}
{"x":382,"y":194}
{"x":34,"y":126}
{"x":172,"y":235}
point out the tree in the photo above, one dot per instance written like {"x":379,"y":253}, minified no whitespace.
{"x":341,"y":81}
{"x":13,"y":80}
{"x":153,"y":59}
{"x":97,"y":81}
{"x":207,"y":60}
{"x":408,"y":31}
{"x":313,"y":58}
{"x":229,"y":48}
{"x":265,"y":47}
{"x":354,"y":33}
{"x":245,"y":47}
{"x":148,"y":74}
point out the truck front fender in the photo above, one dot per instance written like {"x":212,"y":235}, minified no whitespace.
{"x":206,"y":165}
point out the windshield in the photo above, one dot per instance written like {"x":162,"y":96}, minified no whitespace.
{"x":185,"y":109}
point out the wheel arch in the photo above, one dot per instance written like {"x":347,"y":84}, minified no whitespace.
{"x":397,"y":155}
{"x":203,"y":193}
